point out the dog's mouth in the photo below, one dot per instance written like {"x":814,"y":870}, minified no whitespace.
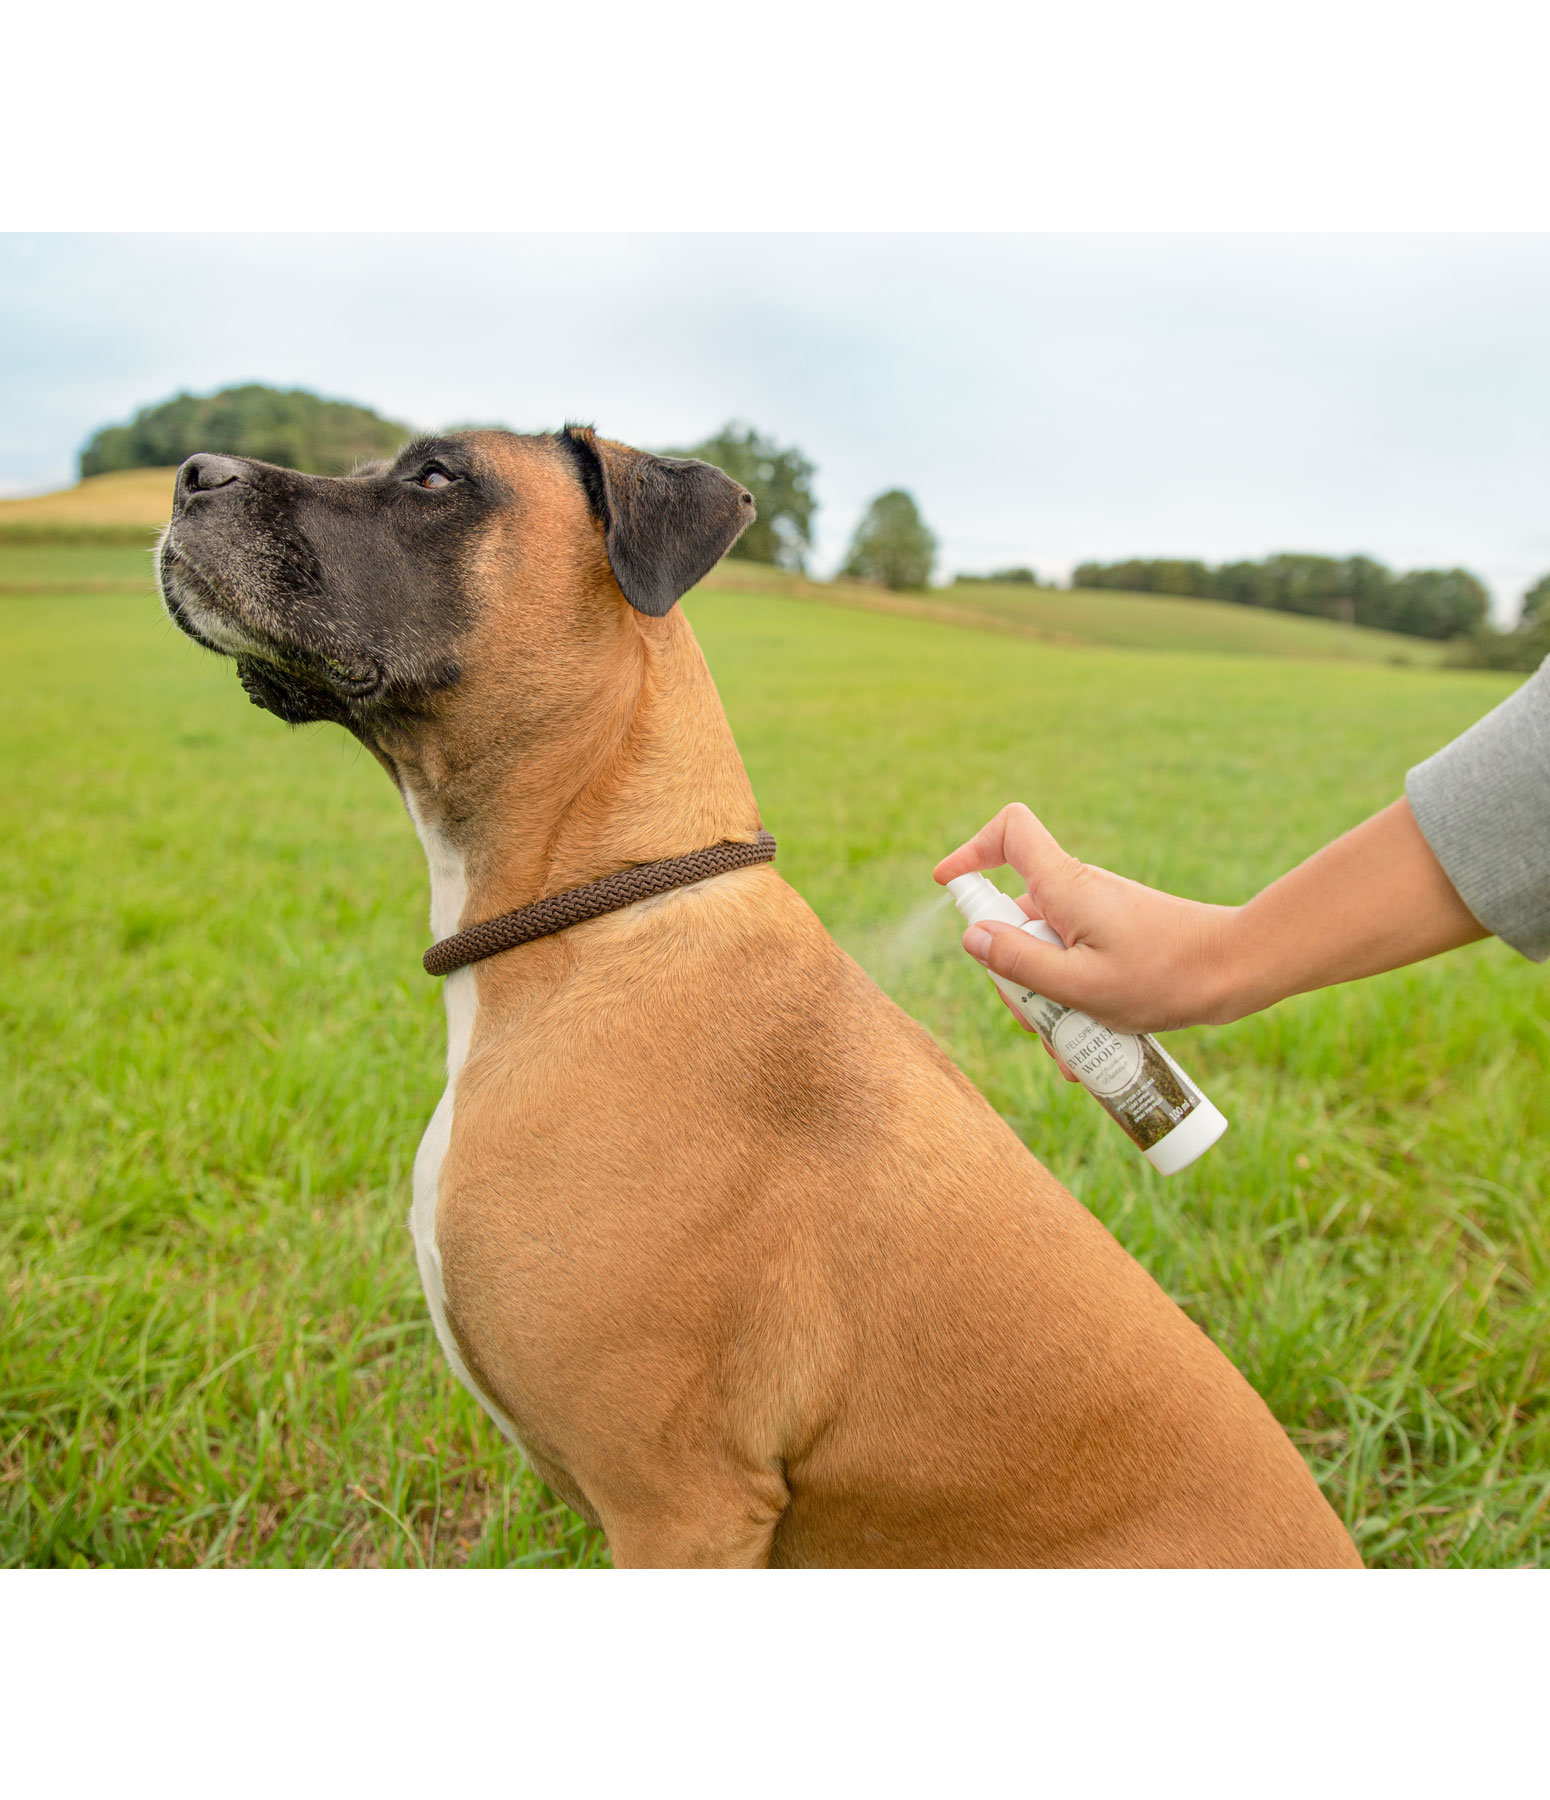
{"x":202,"y":609}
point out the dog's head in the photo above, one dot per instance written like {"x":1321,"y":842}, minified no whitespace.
{"x":485,"y":564}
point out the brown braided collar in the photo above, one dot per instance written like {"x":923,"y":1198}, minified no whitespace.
{"x":560,"y":911}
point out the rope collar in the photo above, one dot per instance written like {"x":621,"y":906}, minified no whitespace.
{"x":560,"y":911}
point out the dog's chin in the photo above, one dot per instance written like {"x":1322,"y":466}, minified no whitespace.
{"x":290,"y":697}
{"x":298,"y":685}
{"x":195,"y":618}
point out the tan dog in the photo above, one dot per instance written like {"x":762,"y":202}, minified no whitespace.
{"x":712,"y":1229}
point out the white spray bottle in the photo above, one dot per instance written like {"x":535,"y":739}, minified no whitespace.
{"x":1132,"y":1077}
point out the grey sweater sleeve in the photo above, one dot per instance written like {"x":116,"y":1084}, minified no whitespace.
{"x":1483,"y":804}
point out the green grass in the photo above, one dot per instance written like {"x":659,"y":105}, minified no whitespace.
{"x":75,"y":569}
{"x":1116,"y":621}
{"x":219,"y":1052}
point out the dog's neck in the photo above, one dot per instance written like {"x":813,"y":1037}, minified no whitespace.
{"x":658,"y":776}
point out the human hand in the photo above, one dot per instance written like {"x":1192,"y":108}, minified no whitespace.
{"x":1139,"y":960}
{"x":1135,"y":958}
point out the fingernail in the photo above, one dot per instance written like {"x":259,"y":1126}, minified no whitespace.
{"x":977,"y":942}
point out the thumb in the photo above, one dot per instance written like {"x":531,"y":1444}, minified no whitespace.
{"x":1019,"y":956}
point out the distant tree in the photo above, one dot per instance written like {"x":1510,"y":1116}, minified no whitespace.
{"x":1305,"y":584}
{"x":1242,"y":583}
{"x":1190,"y":580}
{"x":288,"y":426}
{"x":1439,"y":603}
{"x":1018,"y":577}
{"x":781,"y":484}
{"x":893,"y":544}
{"x":1367,"y":585}
{"x":1354,"y":589}
{"x":1138,"y":576}
{"x":1132,"y":577}
{"x":1536,"y":605}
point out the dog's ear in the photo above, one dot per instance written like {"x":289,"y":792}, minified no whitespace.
{"x":667,"y":520}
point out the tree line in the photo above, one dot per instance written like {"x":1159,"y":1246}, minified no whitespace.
{"x":1428,"y":603}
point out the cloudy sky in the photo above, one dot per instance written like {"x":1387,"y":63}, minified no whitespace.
{"x":1046,"y":398}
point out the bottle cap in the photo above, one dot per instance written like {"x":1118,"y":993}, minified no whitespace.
{"x":978,"y":898}
{"x":1191,"y":1137}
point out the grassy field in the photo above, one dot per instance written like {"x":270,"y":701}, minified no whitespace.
{"x":73,"y":569}
{"x":219,"y":1053}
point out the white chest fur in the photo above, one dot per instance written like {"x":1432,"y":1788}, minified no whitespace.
{"x":449,"y":894}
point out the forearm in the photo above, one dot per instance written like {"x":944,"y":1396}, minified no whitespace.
{"x":1374,"y":899}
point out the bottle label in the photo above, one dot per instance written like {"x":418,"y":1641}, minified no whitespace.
{"x":1132,"y":1077}
{"x":1105,"y":1062}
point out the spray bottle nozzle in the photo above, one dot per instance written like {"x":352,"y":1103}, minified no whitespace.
{"x":979,"y":898}
{"x":961,"y":887}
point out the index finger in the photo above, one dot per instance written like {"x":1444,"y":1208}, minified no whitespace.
{"x":1014,"y":836}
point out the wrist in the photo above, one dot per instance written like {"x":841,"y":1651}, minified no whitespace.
{"x":1234,"y":976}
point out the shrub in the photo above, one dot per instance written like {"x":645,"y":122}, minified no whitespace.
{"x":1485,"y":648}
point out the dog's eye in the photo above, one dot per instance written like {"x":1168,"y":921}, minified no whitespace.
{"x":434,"y":478}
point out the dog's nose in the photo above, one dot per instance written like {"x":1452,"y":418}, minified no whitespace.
{"x":202,"y":472}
